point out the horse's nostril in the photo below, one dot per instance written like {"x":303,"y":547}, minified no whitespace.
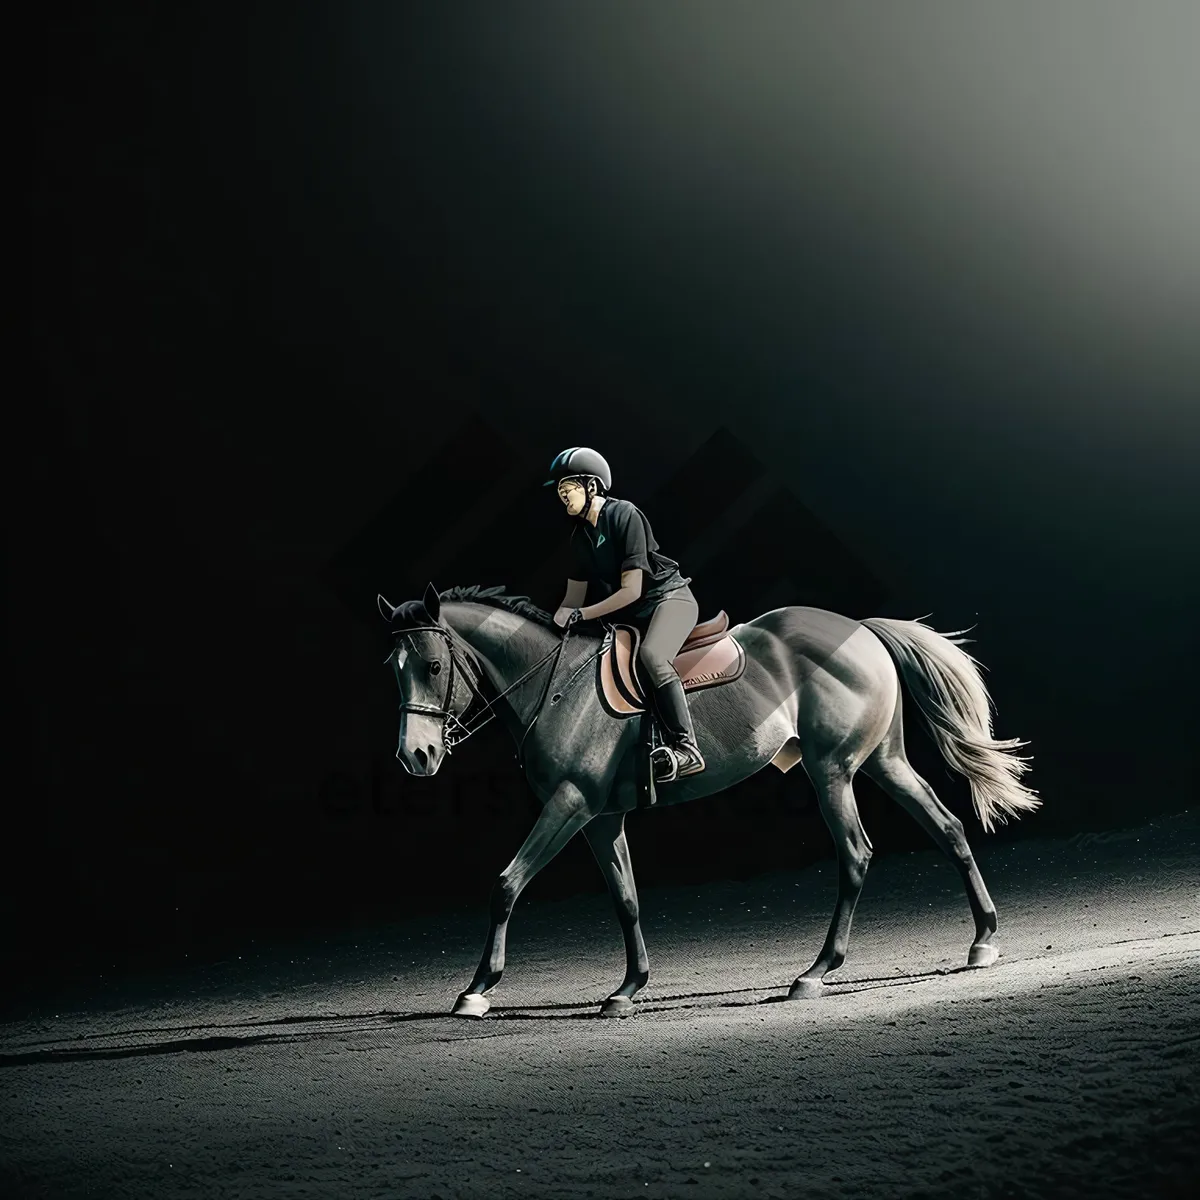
{"x":422,"y":758}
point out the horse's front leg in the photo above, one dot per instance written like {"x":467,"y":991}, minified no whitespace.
{"x":606,"y":836}
{"x":566,"y":812}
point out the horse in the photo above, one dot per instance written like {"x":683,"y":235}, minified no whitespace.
{"x":816,"y":688}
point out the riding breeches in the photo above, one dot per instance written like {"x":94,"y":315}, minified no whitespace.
{"x":673,"y":618}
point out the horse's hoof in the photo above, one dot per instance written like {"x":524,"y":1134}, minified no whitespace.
{"x":470,"y":1004}
{"x":982,"y":955}
{"x":617,"y":1006}
{"x":806,"y":989}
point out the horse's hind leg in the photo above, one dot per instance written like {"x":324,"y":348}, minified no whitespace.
{"x":606,"y":836}
{"x":890,"y":768}
{"x":836,"y":796}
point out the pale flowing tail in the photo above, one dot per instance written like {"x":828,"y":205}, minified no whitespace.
{"x":948,"y":688}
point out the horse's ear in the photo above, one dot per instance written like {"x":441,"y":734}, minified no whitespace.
{"x":432,"y":602}
{"x":385,"y":607}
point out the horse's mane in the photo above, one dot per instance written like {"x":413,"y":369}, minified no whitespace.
{"x":497,"y":597}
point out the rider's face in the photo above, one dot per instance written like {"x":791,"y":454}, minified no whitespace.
{"x":572,"y":494}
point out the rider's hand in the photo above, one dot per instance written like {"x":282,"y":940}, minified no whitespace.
{"x":562,"y":617}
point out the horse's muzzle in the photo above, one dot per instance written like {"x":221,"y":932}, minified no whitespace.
{"x":420,"y":761}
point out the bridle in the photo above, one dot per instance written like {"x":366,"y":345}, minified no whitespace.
{"x":455,"y":730}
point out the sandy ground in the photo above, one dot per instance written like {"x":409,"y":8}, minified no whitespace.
{"x":331,"y":1069}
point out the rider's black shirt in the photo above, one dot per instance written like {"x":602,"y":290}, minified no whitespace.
{"x":622,"y":540}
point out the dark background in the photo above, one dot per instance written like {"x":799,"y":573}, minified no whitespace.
{"x":886,"y":309}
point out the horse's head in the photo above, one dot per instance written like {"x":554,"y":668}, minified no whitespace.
{"x":433,"y":693}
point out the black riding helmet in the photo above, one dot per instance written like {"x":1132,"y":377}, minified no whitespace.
{"x":580,"y":462}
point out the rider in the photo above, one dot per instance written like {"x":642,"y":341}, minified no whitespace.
{"x":613,"y":547}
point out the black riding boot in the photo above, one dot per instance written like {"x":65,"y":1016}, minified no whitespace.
{"x":671,"y":701}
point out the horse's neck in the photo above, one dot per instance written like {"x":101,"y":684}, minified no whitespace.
{"x":506,"y":646}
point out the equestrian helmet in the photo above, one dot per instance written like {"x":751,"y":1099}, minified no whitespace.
{"x":579,"y":462}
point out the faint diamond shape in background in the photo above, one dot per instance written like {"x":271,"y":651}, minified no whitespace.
{"x":746,"y":540}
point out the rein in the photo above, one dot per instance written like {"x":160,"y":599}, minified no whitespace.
{"x":458,"y":732}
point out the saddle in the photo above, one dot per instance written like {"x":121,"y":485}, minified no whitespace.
{"x":710,"y":657}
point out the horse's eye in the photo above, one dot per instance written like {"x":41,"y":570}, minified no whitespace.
{"x":435,"y":668}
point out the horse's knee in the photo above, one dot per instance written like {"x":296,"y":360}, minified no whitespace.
{"x":854,"y":857}
{"x":627,"y":916}
{"x":627,"y":909}
{"x":854,"y":868}
{"x":504,"y":898}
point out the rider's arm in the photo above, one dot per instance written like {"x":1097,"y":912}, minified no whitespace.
{"x":629,"y":591}
{"x":575,"y":593}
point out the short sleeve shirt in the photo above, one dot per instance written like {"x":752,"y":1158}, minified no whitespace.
{"x":622,"y":540}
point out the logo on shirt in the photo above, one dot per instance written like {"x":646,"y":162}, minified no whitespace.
{"x":600,"y":541}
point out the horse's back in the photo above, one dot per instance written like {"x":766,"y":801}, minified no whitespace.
{"x":814,"y":633}
{"x":807,"y":642}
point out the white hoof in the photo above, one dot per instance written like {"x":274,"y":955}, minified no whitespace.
{"x":982,"y":956}
{"x":806,"y":989}
{"x":617,"y":1006}
{"x":470,"y":1004}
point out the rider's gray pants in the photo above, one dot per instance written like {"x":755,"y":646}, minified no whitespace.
{"x":674,"y":617}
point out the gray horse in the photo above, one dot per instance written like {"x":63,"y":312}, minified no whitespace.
{"x":818,"y":688}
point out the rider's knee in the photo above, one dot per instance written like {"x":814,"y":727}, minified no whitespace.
{"x":654,"y":670}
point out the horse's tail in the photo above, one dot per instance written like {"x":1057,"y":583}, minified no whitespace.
{"x":948,"y":688}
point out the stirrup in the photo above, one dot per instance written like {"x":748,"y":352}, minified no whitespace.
{"x":675,"y":763}
{"x":663,"y":764}
{"x":692,"y":764}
